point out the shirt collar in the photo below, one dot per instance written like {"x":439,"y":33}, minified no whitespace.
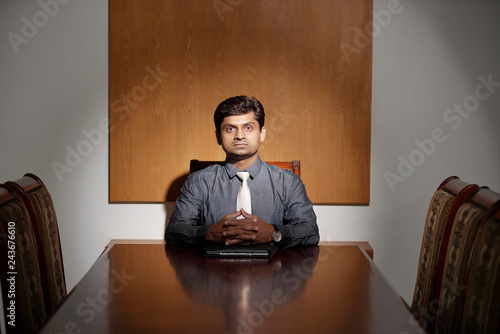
{"x":253,"y":169}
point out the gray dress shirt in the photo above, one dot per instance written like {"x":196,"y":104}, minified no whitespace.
{"x":278,"y":197}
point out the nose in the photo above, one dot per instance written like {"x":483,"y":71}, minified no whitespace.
{"x":239,"y":134}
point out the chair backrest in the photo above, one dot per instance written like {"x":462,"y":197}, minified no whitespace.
{"x":293,"y":166}
{"x":444,"y":204}
{"x":482,"y":300}
{"x":19,"y":254}
{"x":43,"y":218}
{"x":468,"y":220}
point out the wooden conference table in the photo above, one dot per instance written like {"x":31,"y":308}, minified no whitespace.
{"x":156,"y":288}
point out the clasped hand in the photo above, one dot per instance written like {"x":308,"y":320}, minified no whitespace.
{"x":249,"y":230}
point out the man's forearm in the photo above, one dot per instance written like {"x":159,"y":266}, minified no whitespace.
{"x":300,"y":234}
{"x":178,"y":233}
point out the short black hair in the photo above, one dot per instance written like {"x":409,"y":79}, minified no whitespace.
{"x":239,"y":105}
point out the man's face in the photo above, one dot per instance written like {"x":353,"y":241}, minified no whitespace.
{"x":240,"y":136}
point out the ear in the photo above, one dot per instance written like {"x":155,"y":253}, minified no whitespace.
{"x":262,"y":134}
{"x":217,"y":135}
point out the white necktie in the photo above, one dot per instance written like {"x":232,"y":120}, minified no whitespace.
{"x":243,"y":200}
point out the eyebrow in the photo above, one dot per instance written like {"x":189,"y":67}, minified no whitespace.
{"x":244,"y":124}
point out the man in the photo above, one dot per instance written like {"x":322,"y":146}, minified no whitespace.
{"x":207,"y":209}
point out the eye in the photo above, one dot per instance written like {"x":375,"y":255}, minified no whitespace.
{"x":229,"y":129}
{"x":249,"y":128}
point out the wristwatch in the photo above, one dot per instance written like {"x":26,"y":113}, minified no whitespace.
{"x":276,"y":237}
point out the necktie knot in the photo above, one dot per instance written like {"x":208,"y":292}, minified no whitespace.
{"x":243,"y":176}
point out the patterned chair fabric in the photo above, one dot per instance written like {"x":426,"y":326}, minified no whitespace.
{"x":423,"y":297}
{"x":49,"y":231}
{"x":29,"y":299}
{"x":482,"y":302}
{"x":467,"y":222}
{"x":46,"y":227}
{"x":452,"y":193}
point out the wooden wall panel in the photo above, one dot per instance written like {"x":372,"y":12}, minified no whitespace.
{"x":173,"y":61}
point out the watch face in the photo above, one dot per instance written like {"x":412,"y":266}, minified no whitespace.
{"x":276,"y":236}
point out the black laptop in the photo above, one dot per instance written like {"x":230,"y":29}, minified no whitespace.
{"x":238,"y":251}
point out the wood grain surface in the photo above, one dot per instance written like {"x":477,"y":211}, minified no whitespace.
{"x":172,"y":62}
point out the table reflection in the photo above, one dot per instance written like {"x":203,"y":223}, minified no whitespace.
{"x":248,"y":291}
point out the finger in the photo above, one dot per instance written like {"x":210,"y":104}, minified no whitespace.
{"x":246,"y":214}
{"x":231,"y":233}
{"x":235,"y":214}
{"x":239,"y":233}
{"x":242,"y":222}
{"x":230,"y":217}
{"x":250,"y":227}
{"x":247,"y":225}
{"x":233,"y":242}
{"x":246,"y":236}
{"x":237,"y":242}
{"x":237,"y":222}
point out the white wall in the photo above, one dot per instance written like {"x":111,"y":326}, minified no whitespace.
{"x":427,"y":57}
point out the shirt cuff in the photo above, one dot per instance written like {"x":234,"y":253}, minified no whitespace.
{"x":200,"y":232}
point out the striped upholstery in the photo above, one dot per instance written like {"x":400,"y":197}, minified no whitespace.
{"x":467,"y":222}
{"x":44,"y":221}
{"x":450,"y":195}
{"x":424,"y":287}
{"x":30,"y":306}
{"x":49,"y":231}
{"x":482,"y":302}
